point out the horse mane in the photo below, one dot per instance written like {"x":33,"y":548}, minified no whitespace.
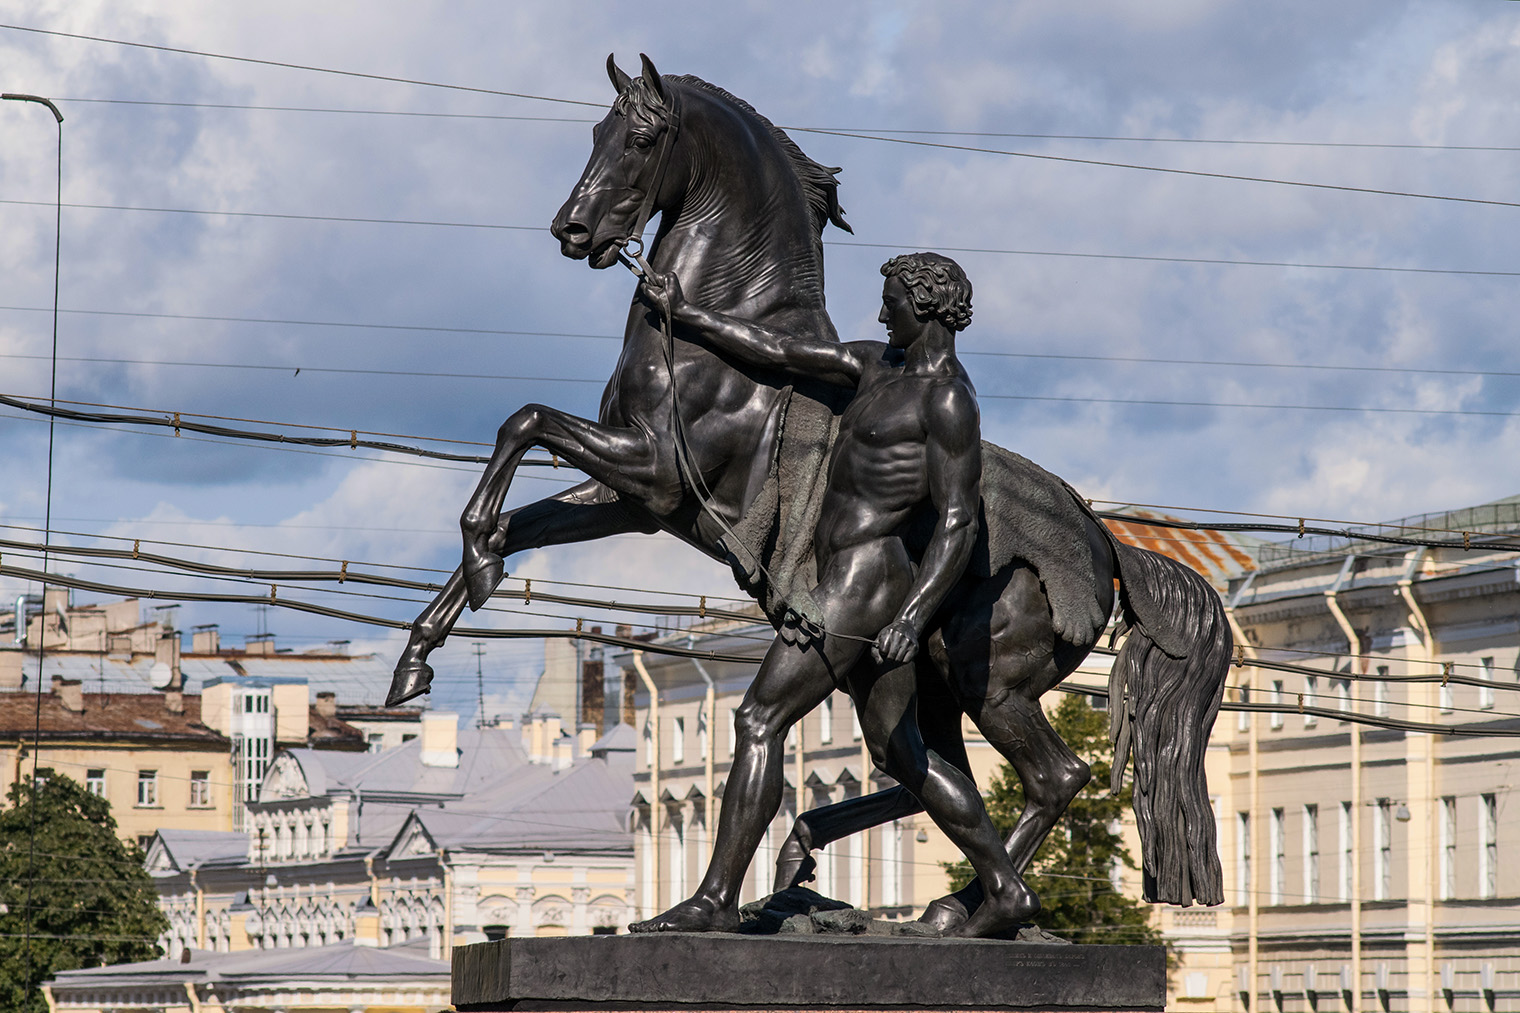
{"x":820,"y":186}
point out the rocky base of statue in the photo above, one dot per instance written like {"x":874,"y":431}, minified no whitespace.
{"x":804,"y":912}
{"x":801,"y":951}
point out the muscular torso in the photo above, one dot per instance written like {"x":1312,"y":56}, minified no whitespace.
{"x":879,"y":476}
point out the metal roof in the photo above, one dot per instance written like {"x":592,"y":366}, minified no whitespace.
{"x":1217,"y":555}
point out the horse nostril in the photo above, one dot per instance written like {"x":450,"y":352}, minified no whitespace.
{"x":574,"y":233}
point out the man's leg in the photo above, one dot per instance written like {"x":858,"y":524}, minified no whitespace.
{"x":886,"y":698}
{"x":791,"y":682}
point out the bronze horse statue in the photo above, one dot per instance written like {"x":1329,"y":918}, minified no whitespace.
{"x":730,"y":460}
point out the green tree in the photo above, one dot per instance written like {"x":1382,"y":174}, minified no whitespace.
{"x":1070,"y":872}
{"x":90,"y":900}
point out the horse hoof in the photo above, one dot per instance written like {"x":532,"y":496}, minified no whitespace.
{"x":412,"y":678}
{"x":481,"y":575}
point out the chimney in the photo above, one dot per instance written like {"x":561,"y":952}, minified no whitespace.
{"x":206,"y":639}
{"x":259,"y":643}
{"x":327,"y":705}
{"x":440,"y":739}
{"x":70,"y":693}
{"x":174,"y":701}
{"x":166,"y":653}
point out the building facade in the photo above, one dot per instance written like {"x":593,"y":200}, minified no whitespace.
{"x":455,"y":836}
{"x":1374,"y":867}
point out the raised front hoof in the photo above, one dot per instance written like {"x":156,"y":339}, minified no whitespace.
{"x":482,"y":573}
{"x":690,"y":916}
{"x":412,"y":678}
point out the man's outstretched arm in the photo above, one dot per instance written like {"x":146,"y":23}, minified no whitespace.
{"x":954,"y":458}
{"x":749,"y":342}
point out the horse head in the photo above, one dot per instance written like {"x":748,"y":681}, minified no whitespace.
{"x":620,"y":187}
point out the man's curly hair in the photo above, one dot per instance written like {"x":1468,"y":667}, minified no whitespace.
{"x":938,"y":287}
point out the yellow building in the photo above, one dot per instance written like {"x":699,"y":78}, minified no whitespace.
{"x":172,"y":738}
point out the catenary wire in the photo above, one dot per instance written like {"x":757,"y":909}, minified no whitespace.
{"x":298,"y":66}
{"x":302,"y":367}
{"x":813,"y":130}
{"x":437,"y":223}
{"x":860,"y":130}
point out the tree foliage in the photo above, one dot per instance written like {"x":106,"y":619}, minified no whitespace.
{"x":1071,"y":871}
{"x":90,"y":900}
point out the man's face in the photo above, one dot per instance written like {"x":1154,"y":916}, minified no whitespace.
{"x":903,"y":324}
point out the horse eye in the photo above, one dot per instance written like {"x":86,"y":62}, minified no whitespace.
{"x":640,"y":141}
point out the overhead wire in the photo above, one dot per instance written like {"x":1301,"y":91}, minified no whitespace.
{"x":304,"y":367}
{"x":861,"y":130}
{"x":1153,"y":258}
{"x":1068,"y":159}
{"x":298,"y":66}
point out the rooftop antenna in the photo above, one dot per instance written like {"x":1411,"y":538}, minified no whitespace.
{"x":480,"y":685}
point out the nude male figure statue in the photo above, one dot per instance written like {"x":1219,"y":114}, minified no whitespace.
{"x":908,"y":442}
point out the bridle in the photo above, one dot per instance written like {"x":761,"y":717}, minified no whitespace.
{"x":638,"y":265}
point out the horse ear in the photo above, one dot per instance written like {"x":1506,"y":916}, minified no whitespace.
{"x":620,"y":80}
{"x":652,"y":77}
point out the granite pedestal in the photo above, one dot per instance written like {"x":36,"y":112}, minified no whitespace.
{"x":715,"y":971}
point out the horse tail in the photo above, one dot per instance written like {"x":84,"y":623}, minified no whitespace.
{"x":1164,"y":693}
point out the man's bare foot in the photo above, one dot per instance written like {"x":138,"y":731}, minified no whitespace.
{"x":999,"y":911}
{"x":694,"y":915}
{"x":950,"y":912}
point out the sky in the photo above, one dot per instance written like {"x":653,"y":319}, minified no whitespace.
{"x":1194,"y":342}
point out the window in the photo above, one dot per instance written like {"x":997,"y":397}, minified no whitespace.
{"x":1346,"y":854}
{"x":1382,"y":851}
{"x":703,"y":737}
{"x":826,"y":721}
{"x":95,"y":782}
{"x":1243,"y":718}
{"x":1486,"y":693}
{"x":678,"y":741}
{"x":793,"y":736}
{"x":1279,"y":856}
{"x":252,"y":757}
{"x":407,"y":737}
{"x":1311,"y":692}
{"x":1380,"y":693}
{"x":1448,"y":857}
{"x":1342,"y":689}
{"x":855,"y":732}
{"x":143,"y":840}
{"x":1488,"y":847}
{"x":200,"y":788}
{"x":1277,"y":699}
{"x":375,"y":741}
{"x":1311,"y":854}
{"x":650,"y":760}
{"x":1448,"y":698}
{"x":147,"y":788}
{"x":1243,"y":858}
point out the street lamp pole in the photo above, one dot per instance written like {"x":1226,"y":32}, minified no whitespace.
{"x":47,"y":526}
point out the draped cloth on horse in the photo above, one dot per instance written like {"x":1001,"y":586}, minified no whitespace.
{"x":1027,"y":513}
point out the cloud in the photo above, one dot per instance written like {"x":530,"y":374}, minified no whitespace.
{"x":1351,"y":73}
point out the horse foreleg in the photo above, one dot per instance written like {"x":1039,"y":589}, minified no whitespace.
{"x":625,"y":460}
{"x":585,"y":513}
